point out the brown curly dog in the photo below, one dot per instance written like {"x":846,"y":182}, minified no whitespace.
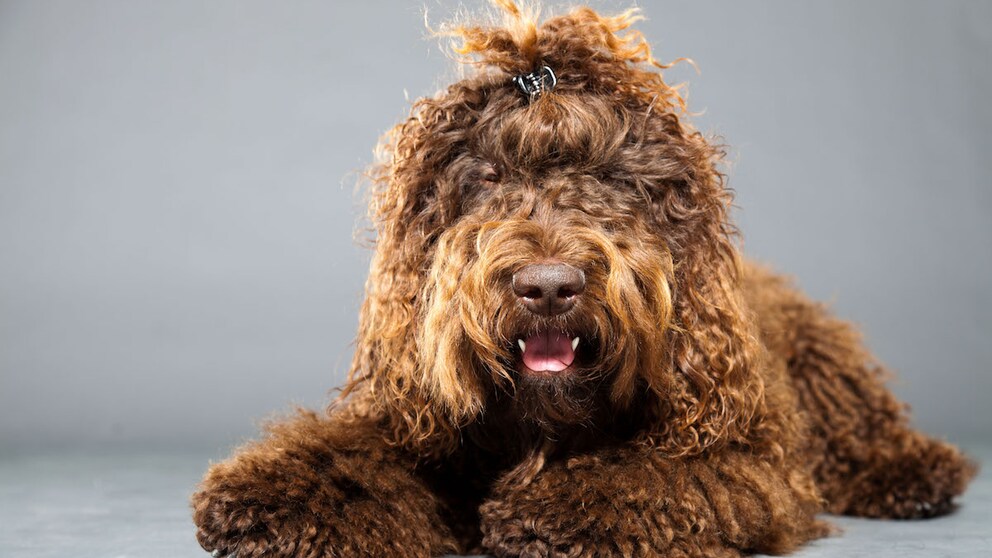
{"x":561,"y":351}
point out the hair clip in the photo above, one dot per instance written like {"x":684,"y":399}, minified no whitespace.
{"x":536,"y":83}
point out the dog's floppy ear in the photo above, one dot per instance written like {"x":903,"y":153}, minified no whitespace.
{"x":414,"y":196}
{"x":708,"y":391}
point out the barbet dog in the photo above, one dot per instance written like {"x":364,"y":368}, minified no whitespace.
{"x":562,"y":351}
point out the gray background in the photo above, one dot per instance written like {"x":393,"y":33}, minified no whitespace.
{"x":177,"y":201}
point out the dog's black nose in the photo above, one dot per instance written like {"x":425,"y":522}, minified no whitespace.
{"x":549,"y":289}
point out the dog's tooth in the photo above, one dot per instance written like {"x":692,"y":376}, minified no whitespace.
{"x":575,"y":343}
{"x":523,"y":345}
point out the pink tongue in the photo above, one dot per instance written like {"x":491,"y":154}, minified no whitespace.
{"x":548,"y":352}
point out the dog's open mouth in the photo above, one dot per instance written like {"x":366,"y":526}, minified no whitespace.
{"x":549,"y":351}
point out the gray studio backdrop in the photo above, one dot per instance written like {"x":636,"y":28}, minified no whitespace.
{"x":177,"y":204}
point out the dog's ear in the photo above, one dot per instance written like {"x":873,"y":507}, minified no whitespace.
{"x":414,"y":195}
{"x":708,"y":393}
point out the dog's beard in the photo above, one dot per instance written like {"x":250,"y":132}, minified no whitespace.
{"x":551,"y":401}
{"x":538,"y":409}
{"x":561,"y":414}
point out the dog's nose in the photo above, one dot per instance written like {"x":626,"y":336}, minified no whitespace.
{"x":549,"y":289}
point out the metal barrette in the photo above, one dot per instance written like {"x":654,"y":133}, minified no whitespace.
{"x":537,"y":82}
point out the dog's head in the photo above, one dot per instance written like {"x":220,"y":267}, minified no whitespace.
{"x":558,"y":244}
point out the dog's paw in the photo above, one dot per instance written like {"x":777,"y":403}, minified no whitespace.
{"x":518,"y":538}
{"x":920,"y":482}
{"x":234,"y":525}
{"x":551,"y":518}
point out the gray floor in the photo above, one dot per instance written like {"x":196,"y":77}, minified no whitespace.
{"x":116,"y":505}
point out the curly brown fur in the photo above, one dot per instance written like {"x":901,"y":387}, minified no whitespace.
{"x":286,"y":495}
{"x":711,"y":409}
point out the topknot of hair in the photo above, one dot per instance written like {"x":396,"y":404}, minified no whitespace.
{"x":588,"y":51}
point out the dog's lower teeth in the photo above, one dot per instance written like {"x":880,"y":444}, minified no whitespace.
{"x":575,"y":343}
{"x":523,"y":346}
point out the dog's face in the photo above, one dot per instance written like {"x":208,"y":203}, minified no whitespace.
{"x":551,"y":281}
{"x":559,"y":254}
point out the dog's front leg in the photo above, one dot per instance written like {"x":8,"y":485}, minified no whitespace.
{"x":631,"y":502}
{"x":319,"y":488}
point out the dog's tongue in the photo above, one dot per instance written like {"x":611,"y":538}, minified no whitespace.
{"x":548,"y":352}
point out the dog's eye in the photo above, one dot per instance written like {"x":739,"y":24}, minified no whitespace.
{"x":488,"y":175}
{"x":481,"y":180}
